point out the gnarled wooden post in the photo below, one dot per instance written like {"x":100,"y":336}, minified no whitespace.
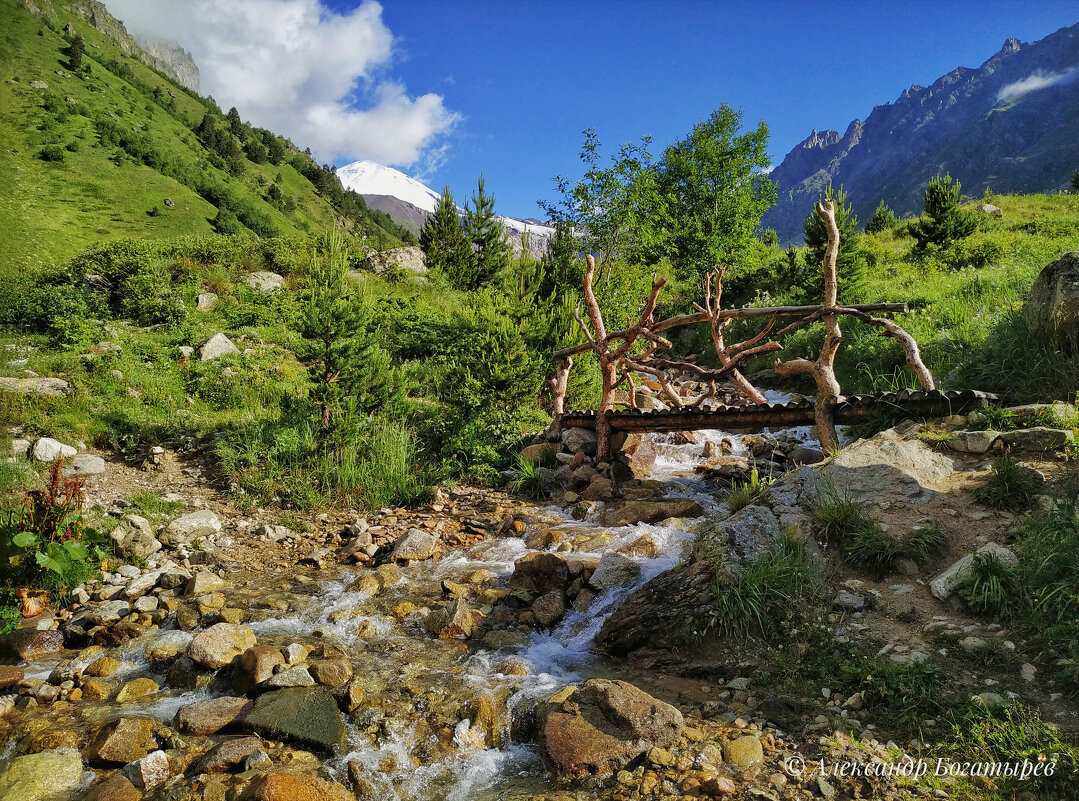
{"x":823,"y":369}
{"x":609,"y":359}
{"x":560,"y":383}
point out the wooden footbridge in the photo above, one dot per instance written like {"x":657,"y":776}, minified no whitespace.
{"x":755,"y":417}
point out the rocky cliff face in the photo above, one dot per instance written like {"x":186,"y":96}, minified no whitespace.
{"x":1011,"y":124}
{"x":168,"y":57}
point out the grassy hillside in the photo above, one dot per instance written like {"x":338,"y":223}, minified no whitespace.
{"x":113,"y":150}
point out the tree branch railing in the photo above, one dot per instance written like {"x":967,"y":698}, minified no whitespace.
{"x":617,"y":363}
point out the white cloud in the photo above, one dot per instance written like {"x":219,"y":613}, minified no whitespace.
{"x":1036,"y":81}
{"x":303,"y":71}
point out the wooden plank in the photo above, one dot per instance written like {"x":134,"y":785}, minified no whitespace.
{"x":754,"y":418}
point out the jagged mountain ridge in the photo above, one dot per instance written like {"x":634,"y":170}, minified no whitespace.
{"x":410,"y":202}
{"x":1011,"y":124}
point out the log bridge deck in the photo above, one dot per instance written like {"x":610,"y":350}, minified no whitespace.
{"x":848,"y":409}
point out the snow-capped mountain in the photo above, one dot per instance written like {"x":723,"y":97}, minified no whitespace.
{"x":371,"y":178}
{"x":409,"y":202}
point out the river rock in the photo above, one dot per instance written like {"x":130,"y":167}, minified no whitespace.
{"x":294,"y":787}
{"x":599,"y":488}
{"x":944,"y":585}
{"x":1052,"y":309}
{"x":603,"y":727}
{"x":220,"y":644}
{"x":212,"y":715}
{"x":415,"y":544}
{"x":30,"y":645}
{"x":749,"y":533}
{"x":331,"y":672}
{"x":203,"y":583}
{"x":743,"y":752}
{"x":305,"y":715}
{"x":45,"y":776}
{"x":47,"y":449}
{"x":295,"y":676}
{"x":227,"y":755}
{"x":122,"y":741}
{"x":136,"y":690}
{"x":579,"y":440}
{"x":256,"y":666}
{"x":191,"y":527}
{"x":540,"y":572}
{"x":628,"y":513}
{"x":638,"y":454}
{"x":150,"y":771}
{"x":85,"y":465}
{"x":549,"y":608}
{"x":217,"y":346}
{"x":615,"y":570}
{"x":116,"y":788}
{"x":40,"y":385}
{"x":169,"y":645}
{"x":10,"y":675}
{"x":134,"y":537}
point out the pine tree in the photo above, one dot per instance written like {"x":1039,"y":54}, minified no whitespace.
{"x":490,"y":251}
{"x":443,"y":241}
{"x":943,"y":220}
{"x":351,"y":376}
{"x":850,"y":263}
{"x":75,"y":51}
{"x":236,"y":125}
{"x":563,"y":269}
{"x":1075,"y":181}
{"x":883,"y":219}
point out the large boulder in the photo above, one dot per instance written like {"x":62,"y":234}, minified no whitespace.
{"x":627,"y":513}
{"x":615,"y":570}
{"x":264,"y":281}
{"x":47,"y":449}
{"x":85,"y":465}
{"x":1053,"y":306}
{"x":211,"y":715}
{"x":885,"y":465}
{"x":638,"y":454}
{"x":579,"y":439}
{"x":134,"y":537}
{"x":409,"y":258}
{"x":42,"y":385}
{"x":191,"y":527}
{"x":944,"y":585}
{"x":217,"y":346}
{"x":220,"y":644}
{"x":307,"y":716}
{"x":31,"y":644}
{"x":748,"y":534}
{"x":603,"y":727}
{"x":414,"y":545}
{"x":540,"y":572}
{"x":45,"y":776}
{"x":122,"y":741}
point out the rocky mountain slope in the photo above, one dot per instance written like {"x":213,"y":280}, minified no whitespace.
{"x":116,"y":147}
{"x":1011,"y":124}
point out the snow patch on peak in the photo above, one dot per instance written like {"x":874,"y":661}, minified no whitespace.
{"x":372,"y":178}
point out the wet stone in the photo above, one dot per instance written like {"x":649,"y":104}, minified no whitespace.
{"x":122,"y":741}
{"x":210,"y":716}
{"x":307,"y":716}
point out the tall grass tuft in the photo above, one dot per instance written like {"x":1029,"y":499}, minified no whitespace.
{"x":1011,"y":486}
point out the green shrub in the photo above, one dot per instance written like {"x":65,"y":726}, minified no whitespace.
{"x":53,"y":153}
{"x":1011,"y":486}
{"x":742,"y":494}
{"x":989,"y":588}
{"x":1014,"y":733}
{"x":773,"y":594}
{"x":943,"y":221}
{"x":526,"y":480}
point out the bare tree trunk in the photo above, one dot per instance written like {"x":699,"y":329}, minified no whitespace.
{"x":560,"y":383}
{"x":823,"y":369}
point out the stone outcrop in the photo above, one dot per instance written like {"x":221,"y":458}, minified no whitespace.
{"x":410,"y":259}
{"x":1053,"y":306}
{"x":604,"y":726}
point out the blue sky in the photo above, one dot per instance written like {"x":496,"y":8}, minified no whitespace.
{"x":447,"y":89}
